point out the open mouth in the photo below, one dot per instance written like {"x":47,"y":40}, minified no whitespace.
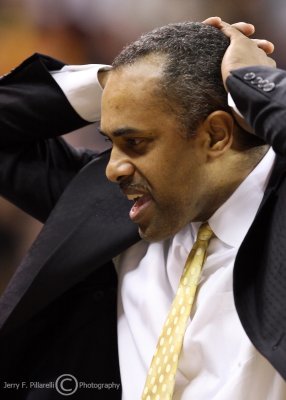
{"x":141,"y":202}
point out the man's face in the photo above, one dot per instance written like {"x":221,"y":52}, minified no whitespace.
{"x":156,"y":165}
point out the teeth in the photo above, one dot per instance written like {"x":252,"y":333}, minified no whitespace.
{"x":134,"y":196}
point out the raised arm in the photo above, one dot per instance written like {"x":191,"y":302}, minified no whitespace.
{"x":32,"y":105}
{"x":257,"y":87}
{"x":35,"y":163}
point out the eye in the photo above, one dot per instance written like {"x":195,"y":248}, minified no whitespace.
{"x":132,"y":142}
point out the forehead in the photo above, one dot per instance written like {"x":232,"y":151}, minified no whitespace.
{"x":133,"y":89}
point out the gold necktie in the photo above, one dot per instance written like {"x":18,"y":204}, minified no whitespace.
{"x":160,"y":381}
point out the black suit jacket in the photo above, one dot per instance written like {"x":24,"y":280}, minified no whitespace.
{"x":260,"y":267}
{"x":58,"y":314}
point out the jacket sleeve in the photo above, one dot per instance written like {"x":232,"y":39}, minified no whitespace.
{"x":260,"y":95}
{"x":35,"y":163}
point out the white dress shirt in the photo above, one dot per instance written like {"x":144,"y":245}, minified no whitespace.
{"x":218,"y":361}
{"x":81,"y":87}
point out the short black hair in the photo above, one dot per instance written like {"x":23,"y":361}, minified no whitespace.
{"x":191,"y":79}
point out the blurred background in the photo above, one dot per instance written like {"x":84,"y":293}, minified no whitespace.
{"x":94,"y":31}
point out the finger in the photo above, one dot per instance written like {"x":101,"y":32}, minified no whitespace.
{"x":265,"y":45}
{"x":231,"y":31}
{"x":213,"y":21}
{"x":244,"y":27}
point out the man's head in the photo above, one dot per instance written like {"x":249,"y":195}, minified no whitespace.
{"x":191,"y":73}
{"x":175,"y":145}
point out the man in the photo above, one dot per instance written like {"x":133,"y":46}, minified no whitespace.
{"x":180,"y":155}
{"x":59,"y":335}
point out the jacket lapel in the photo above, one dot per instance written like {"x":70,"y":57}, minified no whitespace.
{"x":259,"y":278}
{"x":88,"y":227}
{"x":275,"y":180}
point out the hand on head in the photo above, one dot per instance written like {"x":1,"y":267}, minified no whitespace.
{"x":242,"y":51}
{"x":243,"y":27}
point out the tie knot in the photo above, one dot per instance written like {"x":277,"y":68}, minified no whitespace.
{"x":205,"y":232}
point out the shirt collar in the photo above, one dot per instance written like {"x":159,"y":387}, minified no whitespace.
{"x":232,"y":220}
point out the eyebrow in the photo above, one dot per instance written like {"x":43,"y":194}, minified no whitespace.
{"x":121,"y":132}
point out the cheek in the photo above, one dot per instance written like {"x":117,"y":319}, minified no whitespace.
{"x":167,"y":173}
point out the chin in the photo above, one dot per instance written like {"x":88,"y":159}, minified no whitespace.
{"x":153,"y":235}
{"x":145,"y":236}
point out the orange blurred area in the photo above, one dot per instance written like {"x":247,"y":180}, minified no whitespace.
{"x":20,"y":39}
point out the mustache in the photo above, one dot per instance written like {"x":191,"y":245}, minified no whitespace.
{"x":129,"y":185}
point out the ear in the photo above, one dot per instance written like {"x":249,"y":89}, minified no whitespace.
{"x":219,"y":127}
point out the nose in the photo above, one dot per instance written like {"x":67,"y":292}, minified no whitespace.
{"x":119,"y":166}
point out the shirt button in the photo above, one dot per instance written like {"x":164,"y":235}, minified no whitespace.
{"x":256,"y":80}
{"x":268,"y":87}
{"x":249,"y":76}
{"x":262,"y":83}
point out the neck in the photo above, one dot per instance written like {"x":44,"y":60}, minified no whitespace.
{"x":235,"y":170}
